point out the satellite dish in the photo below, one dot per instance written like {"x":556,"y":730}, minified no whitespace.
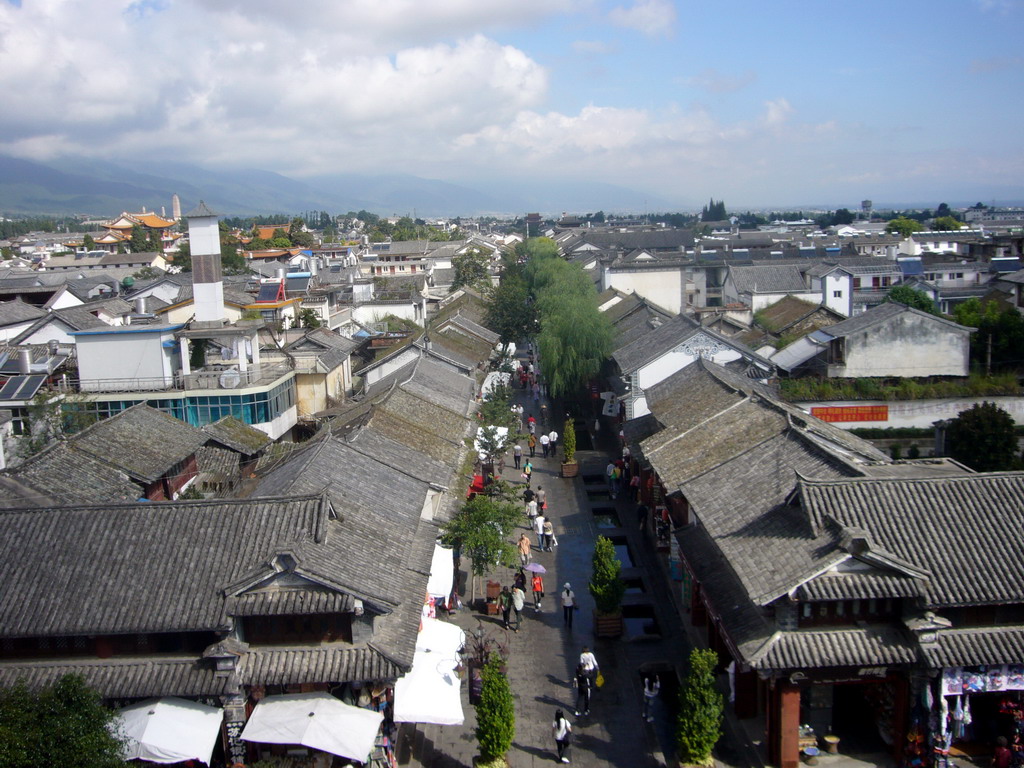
{"x":230,"y":379}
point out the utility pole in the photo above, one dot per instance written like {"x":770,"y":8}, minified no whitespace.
{"x":988,"y":357}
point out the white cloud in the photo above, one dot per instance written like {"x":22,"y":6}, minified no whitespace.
{"x":651,"y":17}
{"x":594,"y":47}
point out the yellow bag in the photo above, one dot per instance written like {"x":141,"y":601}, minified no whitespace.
{"x":599,"y":682}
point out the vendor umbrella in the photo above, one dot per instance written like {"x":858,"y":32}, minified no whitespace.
{"x":169,"y":730}
{"x":536,"y":568}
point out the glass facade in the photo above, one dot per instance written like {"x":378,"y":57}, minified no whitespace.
{"x":199,"y":410}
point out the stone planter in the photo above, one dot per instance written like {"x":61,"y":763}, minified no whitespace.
{"x":570,"y":469}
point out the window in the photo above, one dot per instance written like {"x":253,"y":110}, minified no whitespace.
{"x":837,"y":294}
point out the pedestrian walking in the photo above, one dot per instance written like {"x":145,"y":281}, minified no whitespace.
{"x":581,"y":681}
{"x":542,"y":498}
{"x":544,"y":442}
{"x":652,"y":686}
{"x":568,"y":605}
{"x":531,"y":510}
{"x":505,"y":603}
{"x":552,"y":441}
{"x":531,"y":426}
{"x":525,"y":550}
{"x":634,"y":487}
{"x":519,"y":580}
{"x":641,"y":516}
{"x":517,"y":455}
{"x":549,"y":534}
{"x":563,"y":735}
{"x":589,"y":663}
{"x":528,"y":472}
{"x":518,"y":601}
{"x":609,"y":472}
{"x":538,"y":528}
{"x":536,"y":391}
{"x":531,"y":443}
{"x":538,"y":591}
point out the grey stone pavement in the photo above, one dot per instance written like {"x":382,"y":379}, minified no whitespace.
{"x":543,"y":654}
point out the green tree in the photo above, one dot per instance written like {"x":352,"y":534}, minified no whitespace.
{"x":64,"y":724}
{"x":946,"y":224}
{"x":481,"y":529}
{"x":996,"y":344}
{"x":943,"y":210}
{"x":714,"y":211}
{"x":510,"y":312}
{"x":903,"y":226}
{"x":308,"y":318}
{"x":606,"y":585}
{"x":495,"y":714}
{"x":139,"y":242}
{"x":982,"y":437}
{"x":88,"y":243}
{"x":904,"y":294}
{"x":569,"y":441}
{"x":471,"y":269}
{"x":701,"y":706}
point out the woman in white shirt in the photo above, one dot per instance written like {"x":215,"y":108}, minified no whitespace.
{"x":563,"y":733}
{"x":568,"y":605}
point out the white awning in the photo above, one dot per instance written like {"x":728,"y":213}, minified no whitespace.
{"x":169,"y":730}
{"x":316,"y":720}
{"x":430,"y":693}
{"x":442,"y":572}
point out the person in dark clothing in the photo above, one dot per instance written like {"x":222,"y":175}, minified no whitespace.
{"x":582,"y":683}
{"x":505,"y":603}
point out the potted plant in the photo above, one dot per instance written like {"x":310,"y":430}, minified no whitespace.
{"x":607,"y":588}
{"x":569,"y":466}
{"x":495,"y":716}
{"x":699,"y":726}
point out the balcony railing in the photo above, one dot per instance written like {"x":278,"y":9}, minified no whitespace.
{"x":223,"y":377}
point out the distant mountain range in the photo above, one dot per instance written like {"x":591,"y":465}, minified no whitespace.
{"x":80,"y":186}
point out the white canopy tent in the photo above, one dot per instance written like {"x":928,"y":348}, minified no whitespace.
{"x":431,"y":693}
{"x":316,"y":720}
{"x":442,"y":572}
{"x":169,"y":730}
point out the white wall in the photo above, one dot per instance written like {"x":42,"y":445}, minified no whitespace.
{"x":662,"y":368}
{"x":663,"y":287}
{"x":119,"y":356}
{"x":843,"y":284}
{"x":370,"y":312}
{"x":10,"y":331}
{"x":907,"y":345}
{"x":920,"y":414}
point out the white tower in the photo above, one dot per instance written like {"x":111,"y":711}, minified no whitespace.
{"x":176,"y":207}
{"x":207,"y":285}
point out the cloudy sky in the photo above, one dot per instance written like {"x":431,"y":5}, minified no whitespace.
{"x":780,"y":102}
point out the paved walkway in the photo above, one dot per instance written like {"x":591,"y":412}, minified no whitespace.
{"x":543,"y":654}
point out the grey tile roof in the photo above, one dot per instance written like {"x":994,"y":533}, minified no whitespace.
{"x":125,"y":677}
{"x":119,"y":569}
{"x":654,"y":344}
{"x":59,"y":475}
{"x":850,"y":647}
{"x":237,"y":435}
{"x":767,"y":279}
{"x":976,"y":646}
{"x":917,"y":519}
{"x":288,"y":666}
{"x":882,"y":313}
{"x":859,"y":585}
{"x":141,"y":441}
{"x":17,"y":311}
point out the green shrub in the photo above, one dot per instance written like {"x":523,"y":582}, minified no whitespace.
{"x":699,"y":725}
{"x":606,"y":584}
{"x":495,"y":714}
{"x":569,"y":441}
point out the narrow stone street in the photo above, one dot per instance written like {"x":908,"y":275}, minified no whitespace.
{"x":544,"y":653}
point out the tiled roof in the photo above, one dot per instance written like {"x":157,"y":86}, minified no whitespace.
{"x":59,"y":475}
{"x":767,"y":279}
{"x":976,"y":646}
{"x":917,"y":519}
{"x":883,"y":313}
{"x":17,"y":311}
{"x":848,"y":647}
{"x":141,"y":441}
{"x":237,"y":435}
{"x":125,"y":677}
{"x":654,"y":344}
{"x":119,"y":569}
{"x":859,"y":585}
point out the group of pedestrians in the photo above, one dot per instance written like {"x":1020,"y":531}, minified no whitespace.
{"x":512,"y":599}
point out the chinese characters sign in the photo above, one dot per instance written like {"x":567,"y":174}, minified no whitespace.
{"x":836,"y":413}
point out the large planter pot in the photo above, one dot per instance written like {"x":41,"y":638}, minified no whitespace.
{"x":608,"y":625}
{"x":570,"y":469}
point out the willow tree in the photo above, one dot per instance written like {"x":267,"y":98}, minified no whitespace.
{"x":574,"y":342}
